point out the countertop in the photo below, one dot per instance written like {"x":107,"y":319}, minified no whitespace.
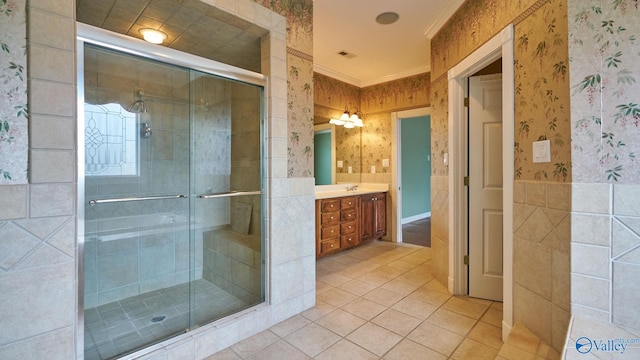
{"x":340,"y":190}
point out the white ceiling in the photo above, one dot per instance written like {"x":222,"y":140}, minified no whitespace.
{"x":383,"y":52}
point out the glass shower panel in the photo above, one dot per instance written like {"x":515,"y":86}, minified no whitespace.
{"x":173,"y":200}
{"x":137,"y":252}
{"x":227,"y":210}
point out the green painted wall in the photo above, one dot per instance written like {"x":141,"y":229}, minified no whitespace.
{"x":416,"y":165}
{"x":322,"y":158}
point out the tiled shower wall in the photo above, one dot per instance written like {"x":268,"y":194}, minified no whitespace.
{"x":605,"y":251}
{"x":541,"y":258}
{"x":39,"y":219}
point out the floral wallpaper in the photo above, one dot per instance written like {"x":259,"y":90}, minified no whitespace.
{"x":376,"y":142}
{"x":299,"y":15}
{"x":331,"y":96}
{"x":409,"y":92}
{"x":335,"y":94}
{"x":349,"y":149}
{"x":604,"y":90}
{"x":439,"y":127}
{"x":368,"y":146}
{"x":542,"y":109}
{"x":475,"y":22}
{"x":13,"y":93}
{"x":300,"y":117}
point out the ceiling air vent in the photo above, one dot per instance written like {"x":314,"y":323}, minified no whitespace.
{"x":346,"y":54}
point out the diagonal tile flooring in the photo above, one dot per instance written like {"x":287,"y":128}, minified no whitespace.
{"x":380,"y":301}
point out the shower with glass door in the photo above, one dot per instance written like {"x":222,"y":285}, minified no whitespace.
{"x":171,"y":182}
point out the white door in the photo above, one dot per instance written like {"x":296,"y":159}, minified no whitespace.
{"x":485,"y":187}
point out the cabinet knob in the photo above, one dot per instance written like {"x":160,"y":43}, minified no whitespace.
{"x":331,"y":245}
{"x":332,"y":218}
{"x":331,"y":205}
{"x":349,"y":226}
{"x":349,"y":202}
{"x":332,"y":231}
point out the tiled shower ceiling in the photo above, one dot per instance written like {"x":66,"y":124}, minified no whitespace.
{"x":190,"y":25}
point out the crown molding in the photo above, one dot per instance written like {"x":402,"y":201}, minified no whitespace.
{"x":447,"y":11}
{"x":337,"y":75}
{"x":397,"y":76}
{"x":364,"y":83}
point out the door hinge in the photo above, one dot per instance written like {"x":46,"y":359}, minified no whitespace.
{"x":466,"y":181}
{"x":466,"y":259}
{"x":466,"y":102}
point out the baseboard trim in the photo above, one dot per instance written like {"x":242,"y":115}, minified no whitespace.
{"x":416,"y":217}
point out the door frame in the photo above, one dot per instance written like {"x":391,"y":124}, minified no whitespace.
{"x":395,"y":191}
{"x":500,"y":46}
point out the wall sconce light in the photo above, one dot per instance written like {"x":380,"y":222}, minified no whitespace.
{"x":153,"y":36}
{"x":349,"y":120}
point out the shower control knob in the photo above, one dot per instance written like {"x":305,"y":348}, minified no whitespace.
{"x":145,"y":130}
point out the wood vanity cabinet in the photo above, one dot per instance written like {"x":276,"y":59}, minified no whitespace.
{"x":336,"y":224}
{"x":373,"y":216}
{"x":345,"y":222}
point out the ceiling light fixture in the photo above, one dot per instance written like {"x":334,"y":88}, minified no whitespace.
{"x":153,"y":36}
{"x":349,"y":120}
{"x":387,"y":18}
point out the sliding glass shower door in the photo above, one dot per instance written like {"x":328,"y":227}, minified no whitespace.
{"x":172,"y":186}
{"x":226,"y":178}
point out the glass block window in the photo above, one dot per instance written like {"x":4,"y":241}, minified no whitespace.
{"x":111,"y":141}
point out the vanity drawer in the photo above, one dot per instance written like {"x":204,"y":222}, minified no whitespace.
{"x":329,"y":232}
{"x":330,"y":205}
{"x":349,"y":240}
{"x":348,"y":227}
{"x":348,"y":215}
{"x":348,"y":203}
{"x":329,"y":245}
{"x":331,"y":218}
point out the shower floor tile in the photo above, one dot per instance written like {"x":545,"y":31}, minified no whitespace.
{"x":122,"y":326}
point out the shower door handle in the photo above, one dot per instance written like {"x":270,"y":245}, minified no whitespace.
{"x":229,"y":194}
{"x":103,"y":201}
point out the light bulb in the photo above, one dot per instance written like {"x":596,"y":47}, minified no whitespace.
{"x":153,"y":36}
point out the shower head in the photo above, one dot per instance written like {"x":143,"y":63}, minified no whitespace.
{"x":138,"y":106}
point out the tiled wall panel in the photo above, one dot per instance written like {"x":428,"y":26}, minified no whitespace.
{"x":541,"y":259}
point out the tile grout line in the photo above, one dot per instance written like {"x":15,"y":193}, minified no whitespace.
{"x":385,"y":262}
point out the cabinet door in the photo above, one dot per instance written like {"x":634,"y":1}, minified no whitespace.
{"x":366,"y":217}
{"x":380,"y":216}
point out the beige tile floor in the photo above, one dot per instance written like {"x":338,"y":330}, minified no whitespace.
{"x":380,"y":301}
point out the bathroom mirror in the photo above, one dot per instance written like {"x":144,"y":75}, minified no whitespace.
{"x":342,"y":147}
{"x":337,"y":154}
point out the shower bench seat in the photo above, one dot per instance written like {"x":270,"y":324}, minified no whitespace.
{"x":233,"y":261}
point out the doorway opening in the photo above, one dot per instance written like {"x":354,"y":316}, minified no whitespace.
{"x":415,"y":154}
{"x":500,"y":46}
{"x":324,"y":143}
{"x":411,"y":185}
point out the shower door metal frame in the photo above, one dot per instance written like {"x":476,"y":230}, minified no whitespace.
{"x":129,"y":45}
